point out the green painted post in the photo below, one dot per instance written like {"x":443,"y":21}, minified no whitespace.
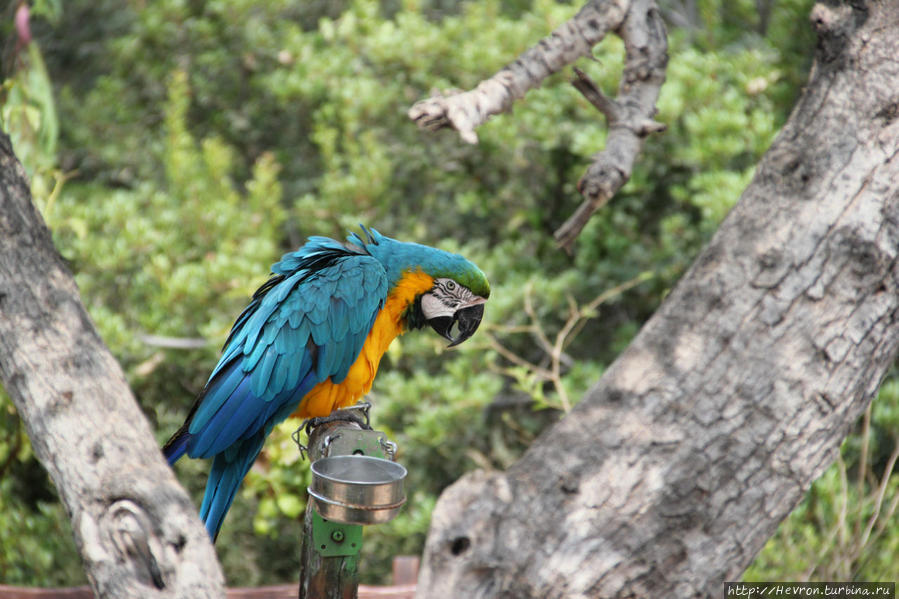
{"x":329,"y":558}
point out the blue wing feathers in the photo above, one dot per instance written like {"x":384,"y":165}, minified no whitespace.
{"x":307,"y":323}
{"x":271,"y":330}
{"x":262,"y":374}
{"x":338,"y":318}
{"x":175,"y":448}
{"x":342,"y":368}
{"x":251,"y":360}
{"x":320,"y":334}
{"x":210,"y":437}
{"x":257,"y":321}
{"x":322,"y":360}
{"x":287,"y":285}
{"x":318,"y":309}
{"x":230,"y":423}
{"x":229,"y":354}
{"x":288,"y":340}
{"x":298,"y":366}
{"x":278,"y":376}
{"x":225,"y":383}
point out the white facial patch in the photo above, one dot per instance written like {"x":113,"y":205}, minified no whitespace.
{"x":433,"y":306}
{"x":446,"y":297}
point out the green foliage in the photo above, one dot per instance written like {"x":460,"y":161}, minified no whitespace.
{"x":161,"y":245}
{"x":30,"y":513}
{"x":28,"y":116}
{"x":198,"y":141}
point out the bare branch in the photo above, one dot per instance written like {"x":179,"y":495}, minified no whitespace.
{"x":878,"y":502}
{"x":555,"y":350}
{"x":465,"y":111}
{"x":536,"y":327}
{"x":515,"y":358}
{"x":629,"y":116}
{"x":174,"y":342}
{"x":591,"y":92}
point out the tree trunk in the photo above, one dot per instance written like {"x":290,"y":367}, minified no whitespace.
{"x":135,"y":527}
{"x":674,"y":470}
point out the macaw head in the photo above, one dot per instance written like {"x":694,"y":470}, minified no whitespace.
{"x":452,"y":309}
{"x":445,"y":290}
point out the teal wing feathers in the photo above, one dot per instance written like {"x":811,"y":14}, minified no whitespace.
{"x":306,"y":324}
{"x":306,"y":327}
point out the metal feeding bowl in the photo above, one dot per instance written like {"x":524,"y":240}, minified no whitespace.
{"x":357,"y":489}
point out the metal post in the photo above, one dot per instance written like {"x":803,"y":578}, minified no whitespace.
{"x":329,"y":559}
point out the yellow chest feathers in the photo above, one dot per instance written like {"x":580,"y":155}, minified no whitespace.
{"x":326,"y":397}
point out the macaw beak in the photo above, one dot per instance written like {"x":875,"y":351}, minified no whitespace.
{"x":462,"y":324}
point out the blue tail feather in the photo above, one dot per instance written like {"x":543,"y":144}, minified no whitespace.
{"x":224,"y":480}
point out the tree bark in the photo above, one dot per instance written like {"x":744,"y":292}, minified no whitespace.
{"x":673,"y":471}
{"x":134,"y":526}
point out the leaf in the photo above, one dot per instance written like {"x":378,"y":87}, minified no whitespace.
{"x":290,"y":505}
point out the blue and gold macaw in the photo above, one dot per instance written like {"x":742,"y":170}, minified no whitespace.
{"x":310,"y":342}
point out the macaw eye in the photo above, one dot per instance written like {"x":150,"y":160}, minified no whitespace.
{"x":450,"y":286}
